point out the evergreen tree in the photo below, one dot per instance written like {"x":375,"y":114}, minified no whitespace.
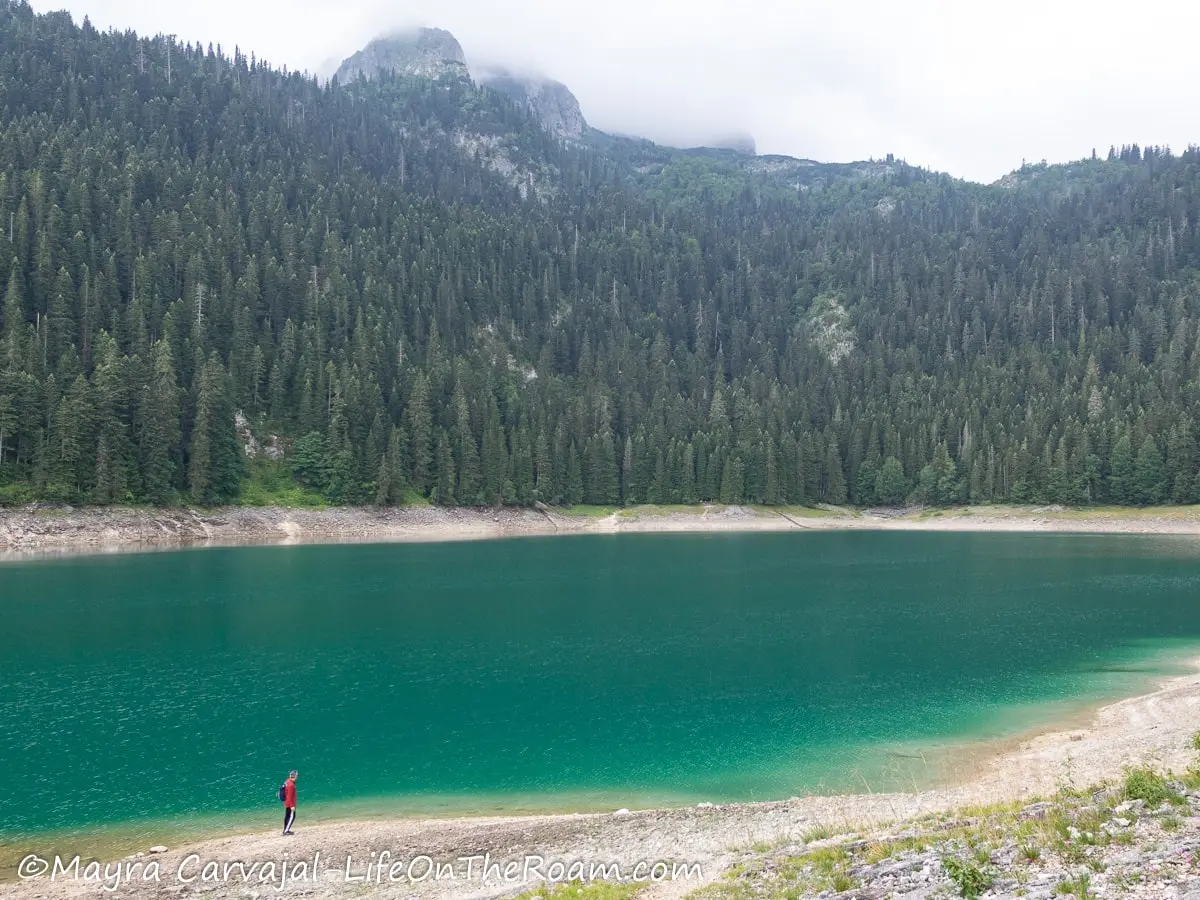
{"x":835,"y":489}
{"x":890,"y":485}
{"x":159,"y":429}
{"x":215,"y":461}
{"x":1150,"y":474}
{"x":1121,"y":488}
{"x":574,"y":489}
{"x":443,"y":489}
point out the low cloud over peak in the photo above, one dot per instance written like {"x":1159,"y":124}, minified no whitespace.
{"x":972,"y":89}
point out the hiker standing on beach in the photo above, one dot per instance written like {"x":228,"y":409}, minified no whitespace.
{"x":289,"y":802}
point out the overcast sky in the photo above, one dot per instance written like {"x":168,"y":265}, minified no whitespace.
{"x":970,"y":87}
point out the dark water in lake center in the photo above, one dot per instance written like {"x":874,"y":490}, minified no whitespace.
{"x":558,"y":672}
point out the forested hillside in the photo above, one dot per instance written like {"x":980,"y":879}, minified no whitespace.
{"x":425,"y":295}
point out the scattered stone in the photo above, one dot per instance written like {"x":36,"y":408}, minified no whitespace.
{"x":1133,"y":806}
{"x":158,"y":848}
{"x":1035,"y":810}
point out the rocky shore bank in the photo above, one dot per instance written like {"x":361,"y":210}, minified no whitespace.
{"x":41,"y":529}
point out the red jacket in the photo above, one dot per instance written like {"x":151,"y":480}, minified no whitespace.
{"x":289,"y":794}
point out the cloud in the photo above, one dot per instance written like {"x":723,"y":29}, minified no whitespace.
{"x":972,"y":88}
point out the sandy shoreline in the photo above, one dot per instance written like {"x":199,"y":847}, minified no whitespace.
{"x":41,"y":530}
{"x":1152,"y":729}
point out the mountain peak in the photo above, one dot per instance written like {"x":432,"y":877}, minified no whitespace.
{"x":433,"y":52}
{"x":550,"y":101}
{"x":421,"y":52}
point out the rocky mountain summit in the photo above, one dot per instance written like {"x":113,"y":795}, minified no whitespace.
{"x":551,"y":102}
{"x":435,"y":52}
{"x":423,"y":53}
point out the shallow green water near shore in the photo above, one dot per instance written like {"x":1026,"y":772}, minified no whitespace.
{"x":582,"y":672}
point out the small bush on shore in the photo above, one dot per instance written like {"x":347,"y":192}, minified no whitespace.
{"x":970,"y":880}
{"x":15,"y":495}
{"x":1148,"y":785}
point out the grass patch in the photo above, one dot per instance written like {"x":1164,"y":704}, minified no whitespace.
{"x":664,"y":509}
{"x":1079,"y":887}
{"x":1125,"y":512}
{"x":820,"y":870}
{"x":817,"y":833}
{"x":596,"y":890}
{"x":762,"y":846}
{"x":589,"y":512}
{"x":802,"y":512}
{"x":989,"y":810}
{"x":788,"y":877}
{"x":881,"y":850}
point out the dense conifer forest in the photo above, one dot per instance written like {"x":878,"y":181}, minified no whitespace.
{"x":424,"y":295}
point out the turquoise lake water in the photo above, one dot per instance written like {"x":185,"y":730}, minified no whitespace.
{"x":556,"y":673}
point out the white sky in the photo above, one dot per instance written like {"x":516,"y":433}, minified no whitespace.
{"x":970,"y":87}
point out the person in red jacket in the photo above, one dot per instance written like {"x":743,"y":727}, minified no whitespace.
{"x":289,"y":802}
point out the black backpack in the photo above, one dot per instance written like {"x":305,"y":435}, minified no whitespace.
{"x":283,"y":793}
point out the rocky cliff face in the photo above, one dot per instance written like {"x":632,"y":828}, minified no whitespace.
{"x":551,"y":102}
{"x":433,"y":52}
{"x":424,"y":53}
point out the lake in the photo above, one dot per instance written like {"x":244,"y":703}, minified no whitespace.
{"x":593,"y":672}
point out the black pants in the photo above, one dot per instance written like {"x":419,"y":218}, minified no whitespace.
{"x":289,"y":816}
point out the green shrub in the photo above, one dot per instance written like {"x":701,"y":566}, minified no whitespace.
{"x":15,"y":495}
{"x":970,"y":880}
{"x":1079,"y":887}
{"x":271,"y":484}
{"x":1148,"y":785}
